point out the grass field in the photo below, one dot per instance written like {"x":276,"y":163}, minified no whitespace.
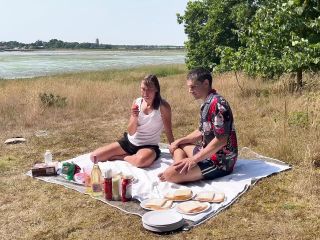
{"x":93,"y":108}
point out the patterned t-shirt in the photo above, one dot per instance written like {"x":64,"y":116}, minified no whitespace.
{"x":216,"y":120}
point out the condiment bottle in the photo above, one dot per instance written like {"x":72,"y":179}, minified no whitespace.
{"x":96,"y":179}
{"x":108,"y":184}
{"x":116,"y":187}
{"x":126,"y":188}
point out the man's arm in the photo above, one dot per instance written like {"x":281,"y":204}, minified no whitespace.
{"x":214,"y":146}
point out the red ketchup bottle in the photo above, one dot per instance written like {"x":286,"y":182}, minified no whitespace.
{"x":108,"y":184}
{"x":126,"y":188}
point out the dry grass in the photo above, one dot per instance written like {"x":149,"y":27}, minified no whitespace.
{"x":269,"y":119}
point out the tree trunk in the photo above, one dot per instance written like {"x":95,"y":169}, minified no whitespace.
{"x":299,"y":79}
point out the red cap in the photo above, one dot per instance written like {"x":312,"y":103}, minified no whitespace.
{"x":95,"y":160}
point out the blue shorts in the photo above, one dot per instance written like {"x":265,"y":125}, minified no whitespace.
{"x":209,"y":169}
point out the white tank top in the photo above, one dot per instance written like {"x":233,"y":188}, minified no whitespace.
{"x":149,"y":127}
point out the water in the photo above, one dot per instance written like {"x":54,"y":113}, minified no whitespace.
{"x":41,"y":63}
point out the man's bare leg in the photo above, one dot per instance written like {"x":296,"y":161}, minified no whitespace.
{"x":171,"y":175}
{"x":180,"y":153}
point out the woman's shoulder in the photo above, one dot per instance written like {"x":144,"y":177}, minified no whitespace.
{"x":164,"y":104}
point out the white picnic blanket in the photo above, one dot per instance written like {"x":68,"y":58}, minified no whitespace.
{"x":246,"y":173}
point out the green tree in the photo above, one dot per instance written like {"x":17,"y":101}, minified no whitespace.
{"x":210,"y":24}
{"x":284,"y":37}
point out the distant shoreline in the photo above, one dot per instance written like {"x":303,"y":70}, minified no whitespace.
{"x":88,"y":49}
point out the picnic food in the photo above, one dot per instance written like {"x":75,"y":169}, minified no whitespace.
{"x":205,"y":196}
{"x":210,"y":196}
{"x":167,"y":205}
{"x":218,"y":198}
{"x":180,"y":195}
{"x":155,"y":203}
{"x":43,"y":169}
{"x":192,"y":207}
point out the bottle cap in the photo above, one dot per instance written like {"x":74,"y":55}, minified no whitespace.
{"x":108,"y":173}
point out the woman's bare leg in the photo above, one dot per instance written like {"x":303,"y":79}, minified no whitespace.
{"x":108,"y":152}
{"x":143,"y":158}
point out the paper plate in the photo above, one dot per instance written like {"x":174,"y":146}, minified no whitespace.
{"x":208,"y":205}
{"x":161,"y":218}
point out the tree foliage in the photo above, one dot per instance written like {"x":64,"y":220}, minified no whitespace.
{"x":264,"y":38}
{"x":284,"y":36}
{"x":210,"y":24}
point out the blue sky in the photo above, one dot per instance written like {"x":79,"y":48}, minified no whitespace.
{"x":112,"y":21}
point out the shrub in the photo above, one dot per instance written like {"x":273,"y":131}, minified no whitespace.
{"x":300,"y":119}
{"x":51,"y":100}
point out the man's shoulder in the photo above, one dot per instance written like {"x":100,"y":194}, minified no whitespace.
{"x":217,"y":98}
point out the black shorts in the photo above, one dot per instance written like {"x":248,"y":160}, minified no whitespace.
{"x":131,"y":149}
{"x":209,"y":169}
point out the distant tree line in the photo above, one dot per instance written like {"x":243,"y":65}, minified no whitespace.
{"x":58,"y":44}
{"x":259,"y":37}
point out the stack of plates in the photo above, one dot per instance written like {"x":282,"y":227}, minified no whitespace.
{"x":162,"y":220}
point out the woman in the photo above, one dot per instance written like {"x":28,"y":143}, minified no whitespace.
{"x":150,"y":114}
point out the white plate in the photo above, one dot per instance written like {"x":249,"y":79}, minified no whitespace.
{"x":208,"y":205}
{"x":163,"y":228}
{"x":144,"y":202}
{"x":162,"y":218}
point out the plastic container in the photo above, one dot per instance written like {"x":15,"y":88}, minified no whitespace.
{"x":48,"y":157}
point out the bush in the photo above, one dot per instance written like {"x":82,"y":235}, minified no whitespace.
{"x":299,"y":119}
{"x":51,"y":100}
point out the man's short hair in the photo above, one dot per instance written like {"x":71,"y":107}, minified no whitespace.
{"x":200,"y":74}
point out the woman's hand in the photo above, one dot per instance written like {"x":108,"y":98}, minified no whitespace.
{"x":135,"y":110}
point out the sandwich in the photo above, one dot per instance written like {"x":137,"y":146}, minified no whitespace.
{"x":180,"y":195}
{"x":207,"y":196}
{"x":218,"y":197}
{"x":167,"y":205}
{"x":192,"y":207}
{"x":155,"y":203}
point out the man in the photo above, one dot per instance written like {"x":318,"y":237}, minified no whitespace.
{"x":217,"y":152}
